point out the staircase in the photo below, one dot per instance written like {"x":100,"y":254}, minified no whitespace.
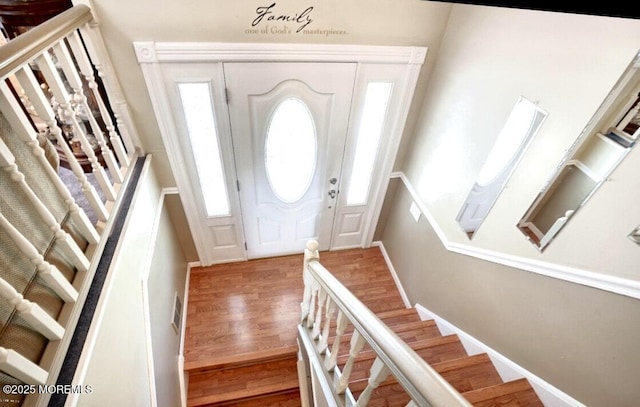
{"x":270,"y":378}
{"x":472,"y":375}
{"x":270,"y":382}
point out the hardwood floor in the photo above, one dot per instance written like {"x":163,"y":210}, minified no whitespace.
{"x":242,"y":310}
{"x":241,"y":350}
{"x":250,"y":309}
{"x":241,"y":313}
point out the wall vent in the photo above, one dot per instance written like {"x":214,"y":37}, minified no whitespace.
{"x":177,"y":314}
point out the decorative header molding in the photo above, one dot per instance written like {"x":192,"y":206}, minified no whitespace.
{"x":153,"y":52}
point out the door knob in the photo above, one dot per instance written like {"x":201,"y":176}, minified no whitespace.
{"x":332,"y":193}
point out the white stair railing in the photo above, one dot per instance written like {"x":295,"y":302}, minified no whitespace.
{"x":323,"y":292}
{"x":8,"y":164}
{"x":49,"y":273}
{"x":58,"y":98}
{"x":21,"y":368}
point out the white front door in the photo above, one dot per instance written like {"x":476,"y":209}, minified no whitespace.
{"x":236,"y":180}
{"x":289,"y":123}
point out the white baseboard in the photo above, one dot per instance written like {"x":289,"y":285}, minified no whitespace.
{"x":403,"y":294}
{"x":507,"y":369}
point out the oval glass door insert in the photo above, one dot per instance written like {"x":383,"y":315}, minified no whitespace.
{"x":290,"y":150}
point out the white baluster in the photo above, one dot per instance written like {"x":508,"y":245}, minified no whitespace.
{"x":7,"y":162}
{"x":357,"y":343}
{"x":310,"y":254}
{"x":57,"y":87}
{"x":341,"y":326}
{"x":87,"y":71}
{"x":379,"y":373}
{"x":317,"y":323}
{"x":324,"y":338}
{"x":44,"y":110}
{"x":69,"y":69}
{"x":312,"y":304}
{"x":31,"y":312}
{"x":49,"y":273}
{"x":16,"y":365}
{"x":100,"y":57}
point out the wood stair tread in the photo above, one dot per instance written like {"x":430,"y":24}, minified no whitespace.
{"x":240,"y":359}
{"x":469,"y":373}
{"x":517,"y":392}
{"x":401,"y":313}
{"x":389,"y":317}
{"x":450,"y":344}
{"x":409,"y":332}
{"x":387,"y":395}
{"x":242,"y":382}
{"x":287,"y":399}
{"x":464,"y":374}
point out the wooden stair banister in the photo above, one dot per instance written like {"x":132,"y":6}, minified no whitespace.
{"x":424,"y":385}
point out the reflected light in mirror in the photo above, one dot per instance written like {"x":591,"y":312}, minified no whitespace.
{"x":521,"y":126}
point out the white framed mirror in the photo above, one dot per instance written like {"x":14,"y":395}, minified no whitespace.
{"x":521,"y":126}
{"x":606,"y":140}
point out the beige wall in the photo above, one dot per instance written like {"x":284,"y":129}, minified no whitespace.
{"x":117,"y":366}
{"x":582,"y":340}
{"x":173,"y":204}
{"x":567,"y":63}
{"x":167,"y":276}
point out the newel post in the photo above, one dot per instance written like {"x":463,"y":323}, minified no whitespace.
{"x":310,"y":286}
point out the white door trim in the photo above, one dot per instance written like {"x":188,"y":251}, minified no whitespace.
{"x":151,"y":56}
{"x":149,"y":52}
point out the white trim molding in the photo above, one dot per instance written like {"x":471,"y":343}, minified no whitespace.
{"x":622,"y":286}
{"x":507,"y":369}
{"x":153,"y":52}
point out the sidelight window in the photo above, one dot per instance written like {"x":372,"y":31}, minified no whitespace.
{"x":369,"y":132}
{"x":201,"y":126}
